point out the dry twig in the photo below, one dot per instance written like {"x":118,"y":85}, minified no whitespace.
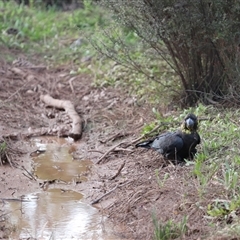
{"x":71,"y":85}
{"x":110,"y":150}
{"x":144,"y":135}
{"x":127,"y":144}
{"x":31,"y":176}
{"x":116,"y":136}
{"x":107,"y":193}
{"x":117,"y":149}
{"x":16,"y":92}
{"x":9,"y":159}
{"x":104,"y":195}
{"x":119,"y":171}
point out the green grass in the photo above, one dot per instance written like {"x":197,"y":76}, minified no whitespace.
{"x":168,"y":230}
{"x":50,"y":35}
{"x":134,"y":66}
{"x":70,"y":37}
{"x":3,"y":151}
{"x":3,"y":147}
{"x":217,"y":163}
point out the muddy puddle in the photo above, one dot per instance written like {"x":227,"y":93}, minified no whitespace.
{"x":56,"y":213}
{"x":53,"y":160}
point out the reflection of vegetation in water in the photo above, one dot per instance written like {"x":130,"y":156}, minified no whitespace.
{"x":55,"y":213}
{"x":57,"y":163}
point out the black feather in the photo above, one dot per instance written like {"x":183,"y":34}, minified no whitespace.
{"x":177,"y":145}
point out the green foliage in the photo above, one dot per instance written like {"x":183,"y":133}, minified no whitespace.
{"x":148,"y":128}
{"x":198,"y":39}
{"x":161,"y":124}
{"x":168,"y":230}
{"x":3,"y":151}
{"x":230,"y":177}
{"x":56,"y":4}
{"x":160,"y":181}
{"x":204,"y":172}
{"x":61,"y":37}
{"x":231,"y":231}
{"x":223,"y":208}
{"x":3,"y":148}
{"x":215,"y":169}
{"x":217,"y":159}
{"x":218,"y":209}
{"x":56,"y":36}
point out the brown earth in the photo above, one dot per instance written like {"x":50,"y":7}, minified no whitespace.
{"x":112,"y":121}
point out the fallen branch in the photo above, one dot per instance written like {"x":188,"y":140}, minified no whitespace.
{"x":9,"y":159}
{"x":70,"y":110}
{"x":13,"y":199}
{"x":146,"y":134}
{"x":117,"y":149}
{"x":107,"y":193}
{"x":127,"y":143}
{"x":31,"y":176}
{"x":16,"y":92}
{"x":104,"y":195}
{"x":110,"y":150}
{"x":119,"y":170}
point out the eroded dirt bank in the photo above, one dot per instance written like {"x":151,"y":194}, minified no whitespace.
{"x":112,"y":124}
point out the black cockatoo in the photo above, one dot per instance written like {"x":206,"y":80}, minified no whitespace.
{"x":177,"y":145}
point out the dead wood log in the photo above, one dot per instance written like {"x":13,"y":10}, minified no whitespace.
{"x":68,"y":106}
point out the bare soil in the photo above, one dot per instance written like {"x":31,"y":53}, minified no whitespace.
{"x":112,"y":122}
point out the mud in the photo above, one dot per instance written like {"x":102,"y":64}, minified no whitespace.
{"x":127,"y":184}
{"x":55,"y":214}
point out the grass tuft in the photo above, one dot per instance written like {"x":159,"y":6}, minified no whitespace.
{"x":168,"y":230}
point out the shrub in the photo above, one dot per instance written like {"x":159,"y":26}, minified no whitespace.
{"x":199,"y":39}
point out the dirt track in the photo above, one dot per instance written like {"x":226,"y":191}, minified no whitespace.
{"x":110,"y":117}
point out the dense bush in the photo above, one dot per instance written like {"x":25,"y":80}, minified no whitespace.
{"x":202,"y":39}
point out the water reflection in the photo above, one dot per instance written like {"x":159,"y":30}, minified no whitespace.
{"x":56,"y":162}
{"x":55,"y":214}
